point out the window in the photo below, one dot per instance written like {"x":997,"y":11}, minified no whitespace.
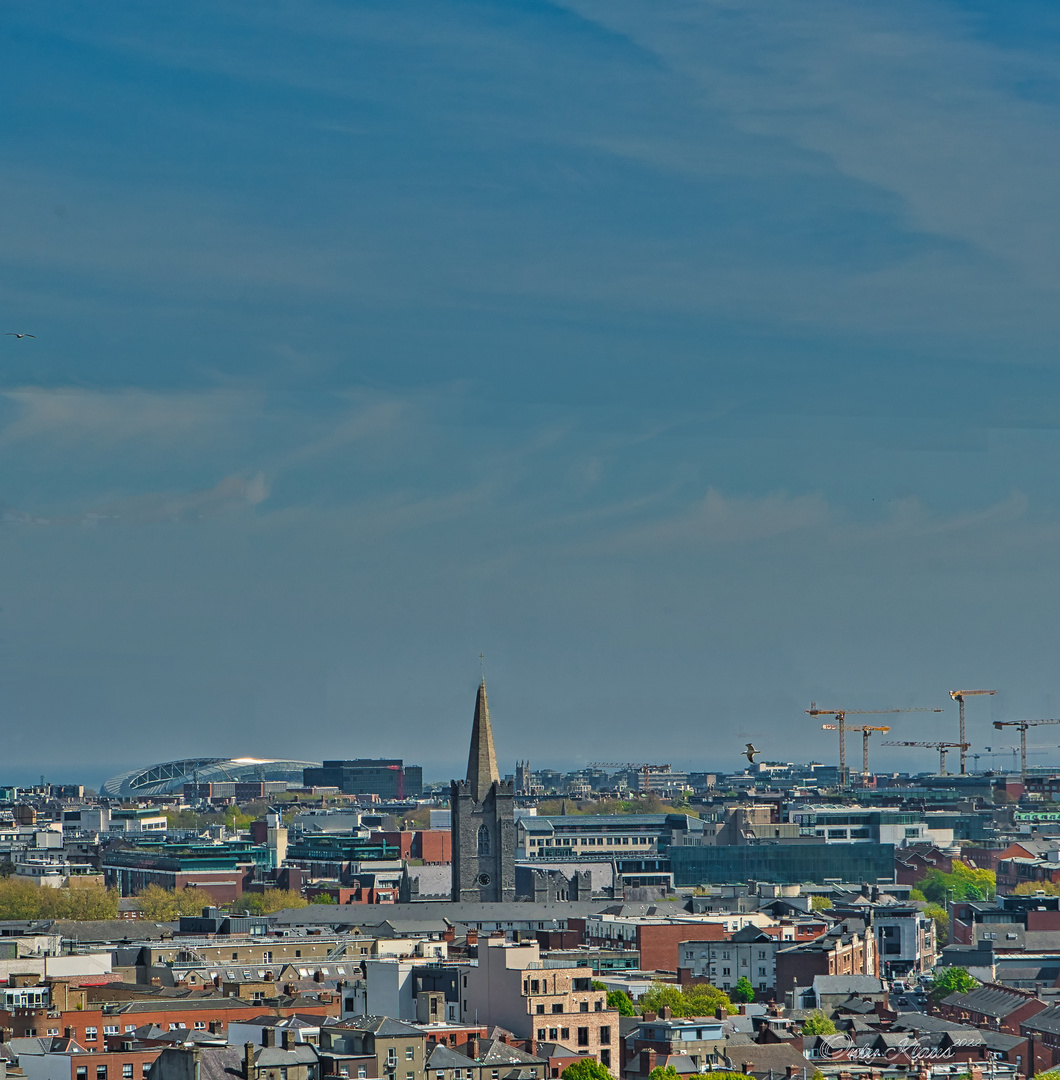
{"x":362,"y":1072}
{"x":605,"y":1058}
{"x":483,"y":840}
{"x":101,"y":1072}
{"x":146,"y":1068}
{"x":761,"y":954}
{"x":110,"y":1029}
{"x":605,"y":1036}
{"x":128,"y":1028}
{"x":725,"y":971}
{"x":540,"y":1010}
{"x":583,"y":1006}
{"x":599,"y":1007}
{"x":535,"y":985}
{"x":410,"y":1053}
{"x":564,"y":1033}
{"x":583,"y":1036}
{"x":90,"y":1034}
{"x":200,"y":1024}
{"x":127,"y":1071}
{"x":558,"y":1006}
{"x":761,"y":971}
{"x":541,"y":1034}
{"x":82,"y":1072}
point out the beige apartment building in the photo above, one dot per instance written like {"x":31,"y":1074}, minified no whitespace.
{"x":543,"y":1000}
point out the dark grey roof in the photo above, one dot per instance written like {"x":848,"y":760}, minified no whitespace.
{"x":988,"y":1001}
{"x":494,"y":1052}
{"x":847,"y":984}
{"x":278,"y":1056}
{"x":380,"y":1025}
{"x":442,"y":1057}
{"x":1048,"y":1020}
{"x":442,"y":913}
{"x":764,"y":1057}
{"x":551,"y":1050}
{"x":918,"y":1021}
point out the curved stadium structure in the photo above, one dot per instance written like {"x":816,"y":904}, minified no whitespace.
{"x":169,"y":777}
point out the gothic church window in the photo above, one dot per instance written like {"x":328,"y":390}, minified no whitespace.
{"x":483,"y":840}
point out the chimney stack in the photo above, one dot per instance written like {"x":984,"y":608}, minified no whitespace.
{"x":268,"y":1036}
{"x":248,"y":1061}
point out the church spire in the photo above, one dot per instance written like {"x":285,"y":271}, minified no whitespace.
{"x":482,"y":761}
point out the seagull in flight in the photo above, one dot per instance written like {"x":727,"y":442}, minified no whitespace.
{"x":750,"y":752}
{"x":11,"y":333}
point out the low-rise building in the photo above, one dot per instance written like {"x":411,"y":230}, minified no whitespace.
{"x":542,"y":1000}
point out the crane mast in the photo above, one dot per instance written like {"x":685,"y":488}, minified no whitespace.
{"x":1022,"y":725}
{"x":959,"y":696}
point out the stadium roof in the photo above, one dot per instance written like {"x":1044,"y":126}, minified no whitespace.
{"x":169,"y":777}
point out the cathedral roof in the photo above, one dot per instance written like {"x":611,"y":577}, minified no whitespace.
{"x":482,"y":761}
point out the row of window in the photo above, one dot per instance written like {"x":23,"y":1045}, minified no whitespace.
{"x":101,"y":1071}
{"x":592,"y":841}
{"x":562,"y":1034}
{"x":583,"y":1006}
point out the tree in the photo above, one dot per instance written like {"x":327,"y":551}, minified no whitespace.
{"x":586,"y":1069}
{"x":1029,"y":888}
{"x":699,"y":1000}
{"x":270,"y":901}
{"x":962,"y":883}
{"x":619,"y":999}
{"x":817,"y":1024}
{"x":664,"y":1072}
{"x":743,"y":990}
{"x":938,"y":916}
{"x":951,"y":980}
{"x":167,"y":905}
{"x":21,"y":899}
{"x":820,"y":903}
{"x":916,"y":894}
{"x":705,"y":1000}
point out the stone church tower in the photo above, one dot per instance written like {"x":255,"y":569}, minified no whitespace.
{"x":483,"y":820}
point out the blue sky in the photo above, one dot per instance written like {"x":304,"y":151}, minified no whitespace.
{"x":692,"y":361}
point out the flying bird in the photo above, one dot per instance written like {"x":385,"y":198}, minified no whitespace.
{"x":750,"y":752}
{"x":12,"y":334}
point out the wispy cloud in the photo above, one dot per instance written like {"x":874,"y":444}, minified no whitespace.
{"x":67,"y":417}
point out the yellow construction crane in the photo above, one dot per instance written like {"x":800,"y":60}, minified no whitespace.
{"x":959,"y":696}
{"x":644,"y":770}
{"x":866,"y":730}
{"x":1022,"y":725}
{"x":841,"y":725}
{"x":942,"y":747}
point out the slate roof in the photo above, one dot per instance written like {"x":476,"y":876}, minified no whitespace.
{"x":918,"y":1021}
{"x":771,"y":1056}
{"x":857,"y":1005}
{"x":442,"y":1057}
{"x":1048,"y":1020}
{"x":554,"y":1050}
{"x":495,"y":1052}
{"x":988,"y":1001}
{"x":379,"y":1025}
{"x":847,"y":984}
{"x":278,"y":1056}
